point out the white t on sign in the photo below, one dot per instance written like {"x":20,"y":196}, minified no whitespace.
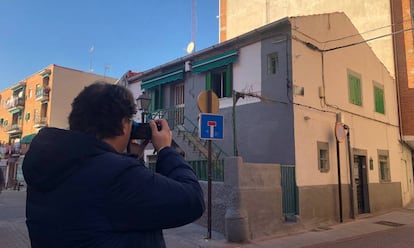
{"x":210,"y":126}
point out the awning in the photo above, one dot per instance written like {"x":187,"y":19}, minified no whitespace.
{"x":14,"y":111}
{"x":162,"y":79}
{"x":215,"y":61}
{"x":28,"y":138}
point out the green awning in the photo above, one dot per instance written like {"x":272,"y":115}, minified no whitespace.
{"x":162,"y":79}
{"x":28,"y":138}
{"x":14,"y":111}
{"x":215,"y":61}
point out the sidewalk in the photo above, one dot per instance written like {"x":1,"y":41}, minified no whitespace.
{"x":192,"y":235}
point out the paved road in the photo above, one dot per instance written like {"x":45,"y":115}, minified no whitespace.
{"x":400,"y":237}
{"x":13,"y":231}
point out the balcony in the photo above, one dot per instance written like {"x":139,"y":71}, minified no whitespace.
{"x":40,"y":121}
{"x":15,"y":104}
{"x":42,"y":94}
{"x":14,"y":128}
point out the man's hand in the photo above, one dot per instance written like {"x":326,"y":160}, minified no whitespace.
{"x":162,"y":138}
{"x":138,"y":148}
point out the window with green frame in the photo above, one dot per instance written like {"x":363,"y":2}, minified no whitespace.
{"x":354,"y":89}
{"x":272,"y":63}
{"x":379,"y":98}
{"x":220,"y":81}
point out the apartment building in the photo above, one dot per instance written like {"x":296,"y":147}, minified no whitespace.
{"x":40,"y":100}
{"x":303,"y":118}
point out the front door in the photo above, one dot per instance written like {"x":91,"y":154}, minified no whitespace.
{"x":361,"y":182}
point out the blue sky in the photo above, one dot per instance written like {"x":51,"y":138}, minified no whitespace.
{"x":125,"y":34}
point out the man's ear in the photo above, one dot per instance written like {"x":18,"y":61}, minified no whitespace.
{"x":126,"y":123}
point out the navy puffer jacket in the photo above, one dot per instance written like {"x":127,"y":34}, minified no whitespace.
{"x":82,"y":193}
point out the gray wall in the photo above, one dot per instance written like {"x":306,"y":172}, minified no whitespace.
{"x":264,"y":130}
{"x":248,"y":204}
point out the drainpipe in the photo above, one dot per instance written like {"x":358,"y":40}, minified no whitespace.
{"x":351,"y":172}
{"x":339,"y":182}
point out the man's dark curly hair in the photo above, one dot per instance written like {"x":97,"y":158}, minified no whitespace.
{"x":99,"y":109}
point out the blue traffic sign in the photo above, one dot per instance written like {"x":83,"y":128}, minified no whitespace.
{"x":210,"y":126}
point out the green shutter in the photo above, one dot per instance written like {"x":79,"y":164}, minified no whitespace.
{"x":379,"y":100}
{"x":354,"y":87}
{"x":208,"y":80}
{"x":228,"y":86}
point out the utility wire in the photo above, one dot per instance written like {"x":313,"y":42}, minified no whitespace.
{"x":353,"y":35}
{"x":314,"y":47}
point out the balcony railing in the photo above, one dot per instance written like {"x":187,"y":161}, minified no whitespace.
{"x":42,"y":94}
{"x":14,"y":128}
{"x":40,"y":121}
{"x":176,"y":120}
{"x":15,"y":103}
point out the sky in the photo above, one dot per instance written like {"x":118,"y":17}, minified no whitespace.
{"x":108,"y":36}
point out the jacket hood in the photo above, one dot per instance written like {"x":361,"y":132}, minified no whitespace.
{"x":55,"y":154}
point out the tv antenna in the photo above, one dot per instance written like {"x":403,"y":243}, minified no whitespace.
{"x":107,"y":68}
{"x":91,"y":50}
{"x":191,"y":45}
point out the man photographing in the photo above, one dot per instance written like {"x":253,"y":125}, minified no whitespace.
{"x":83,"y":190}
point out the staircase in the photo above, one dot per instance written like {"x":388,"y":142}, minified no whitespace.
{"x":185,"y":138}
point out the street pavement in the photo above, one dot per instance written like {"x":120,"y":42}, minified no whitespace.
{"x":389,"y":230}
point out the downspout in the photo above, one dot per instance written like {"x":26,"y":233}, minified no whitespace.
{"x":396,"y":66}
{"x":351,"y":173}
{"x":339,"y":182}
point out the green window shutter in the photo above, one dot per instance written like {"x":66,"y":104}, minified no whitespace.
{"x":358,"y":92}
{"x":160,"y":96}
{"x":208,"y":80}
{"x":354,"y":87}
{"x":228,"y":87}
{"x":379,"y":100}
{"x":351,"y":89}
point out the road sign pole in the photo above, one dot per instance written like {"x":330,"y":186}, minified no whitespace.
{"x":209,"y":110}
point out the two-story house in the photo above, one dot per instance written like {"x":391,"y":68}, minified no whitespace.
{"x":311,"y":120}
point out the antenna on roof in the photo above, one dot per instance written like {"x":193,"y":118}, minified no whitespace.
{"x":107,"y":68}
{"x":91,"y":58}
{"x":191,"y":45}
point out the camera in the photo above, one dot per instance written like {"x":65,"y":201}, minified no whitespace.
{"x":142,"y":130}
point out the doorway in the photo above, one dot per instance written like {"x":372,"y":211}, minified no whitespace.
{"x":361,"y":182}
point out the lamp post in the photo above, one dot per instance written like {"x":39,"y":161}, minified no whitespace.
{"x":144,"y":102}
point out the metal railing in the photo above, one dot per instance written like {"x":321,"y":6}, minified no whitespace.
{"x":176,"y":119}
{"x":200,"y":169}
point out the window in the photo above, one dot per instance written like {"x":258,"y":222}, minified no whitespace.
{"x":27,"y":117}
{"x":379,"y":98}
{"x":323,"y":156}
{"x":384,"y":167}
{"x":179,"y":94}
{"x":272,"y":63}
{"x":354,"y":88}
{"x":220,"y":81}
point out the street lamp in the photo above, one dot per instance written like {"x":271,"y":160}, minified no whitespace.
{"x":144,"y":102}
